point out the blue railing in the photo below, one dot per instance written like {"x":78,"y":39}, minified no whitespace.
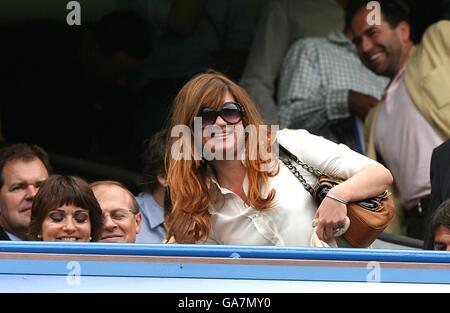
{"x":225,"y":251}
{"x":50,"y":266}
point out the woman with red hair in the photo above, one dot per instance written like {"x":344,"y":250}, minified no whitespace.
{"x":228,"y":186}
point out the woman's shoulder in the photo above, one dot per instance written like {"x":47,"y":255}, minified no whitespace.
{"x":311,"y":148}
{"x":288,"y":132}
{"x":296,"y":138}
{"x":301,"y":143}
{"x":335,"y":159}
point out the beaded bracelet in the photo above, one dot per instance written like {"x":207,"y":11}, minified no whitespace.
{"x":336,"y":198}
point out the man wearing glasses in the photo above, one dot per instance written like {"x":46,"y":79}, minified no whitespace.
{"x":121,"y":212}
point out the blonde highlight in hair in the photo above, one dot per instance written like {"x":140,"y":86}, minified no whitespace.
{"x":188,"y":178}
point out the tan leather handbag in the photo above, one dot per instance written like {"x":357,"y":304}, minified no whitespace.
{"x":368,"y":218}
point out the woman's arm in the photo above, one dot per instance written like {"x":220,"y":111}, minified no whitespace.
{"x":369,"y":182}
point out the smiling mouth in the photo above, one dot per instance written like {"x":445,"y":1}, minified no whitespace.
{"x":374,"y":59}
{"x":25,"y":210}
{"x":68,"y":239}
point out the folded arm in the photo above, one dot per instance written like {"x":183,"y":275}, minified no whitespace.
{"x":369,"y":182}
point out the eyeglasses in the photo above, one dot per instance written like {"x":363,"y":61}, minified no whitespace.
{"x":231,"y":112}
{"x":118,"y":214}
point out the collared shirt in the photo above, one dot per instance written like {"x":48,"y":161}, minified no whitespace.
{"x":152,"y":226}
{"x":316,"y":77}
{"x":288,"y":222}
{"x":13,"y":237}
{"x":281,"y":23}
{"x":405,"y":140}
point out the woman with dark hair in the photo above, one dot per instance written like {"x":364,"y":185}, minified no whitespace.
{"x":65,"y":209}
{"x":228,"y":186}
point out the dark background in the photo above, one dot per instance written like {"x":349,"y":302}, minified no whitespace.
{"x":41,"y":82}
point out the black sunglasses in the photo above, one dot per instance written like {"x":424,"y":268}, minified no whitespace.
{"x":231,"y":112}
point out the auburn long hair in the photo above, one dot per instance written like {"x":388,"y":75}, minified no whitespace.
{"x":188,"y":178}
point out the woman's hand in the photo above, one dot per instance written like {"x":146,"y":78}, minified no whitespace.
{"x":369,"y":182}
{"x":330,"y":215}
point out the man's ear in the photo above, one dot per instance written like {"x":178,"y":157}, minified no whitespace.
{"x":138,"y":219}
{"x":404,"y":31}
{"x":162,"y":180}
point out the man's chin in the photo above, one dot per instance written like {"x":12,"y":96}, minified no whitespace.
{"x":378,"y":68}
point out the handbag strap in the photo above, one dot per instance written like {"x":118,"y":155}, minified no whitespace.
{"x":367,"y":204}
{"x":292,"y":158}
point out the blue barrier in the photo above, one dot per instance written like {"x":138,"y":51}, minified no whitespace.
{"x":49,"y":266}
